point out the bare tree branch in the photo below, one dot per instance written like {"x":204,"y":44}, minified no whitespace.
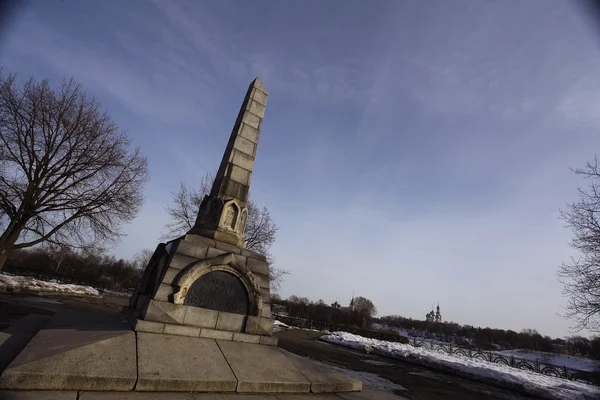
{"x":581,"y":276}
{"x":68,"y":175}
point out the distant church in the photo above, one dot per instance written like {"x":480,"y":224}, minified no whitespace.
{"x":434,"y":317}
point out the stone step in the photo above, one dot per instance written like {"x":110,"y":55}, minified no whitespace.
{"x":141,"y":325}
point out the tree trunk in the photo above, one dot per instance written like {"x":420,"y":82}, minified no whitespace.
{"x":7,"y":241}
{"x":3,"y":257}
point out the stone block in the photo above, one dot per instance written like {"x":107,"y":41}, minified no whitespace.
{"x":256,"y":108}
{"x":170,"y":275}
{"x":182,"y":364}
{"x":258,"y":85}
{"x":235,"y":189}
{"x":149,"y":326}
{"x":243,"y":160}
{"x":240,"y":260}
{"x":245,"y":338}
{"x":230,"y":322}
{"x":259,"y":326}
{"x":228,"y":248}
{"x":141,"y":302}
{"x":190,"y":249}
{"x":257,"y":266}
{"x":266,"y":311}
{"x":321,"y":378}
{"x":179,"y":261}
{"x":163,"y":292}
{"x":76,"y":351}
{"x":162,"y":311}
{"x":215,"y":334}
{"x":252,"y":120}
{"x":199,"y":240}
{"x":239,"y":174}
{"x":182,"y":330}
{"x":40,"y":395}
{"x":245,"y":146}
{"x":266,"y":295}
{"x":269,"y":340}
{"x":250,"y":133}
{"x":263,"y":281}
{"x":214,"y":252}
{"x":201,"y":317}
{"x":262,"y":369}
{"x":259,"y":97}
{"x":137,"y":396}
{"x":253,"y":254}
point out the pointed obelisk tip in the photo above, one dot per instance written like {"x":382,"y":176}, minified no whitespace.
{"x":257,"y":84}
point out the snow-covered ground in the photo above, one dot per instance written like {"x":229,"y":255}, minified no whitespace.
{"x":582,"y":364}
{"x":532,"y":383}
{"x":25,"y":283}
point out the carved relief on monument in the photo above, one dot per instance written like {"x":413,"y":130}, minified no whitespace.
{"x":242,"y":225}
{"x":230,"y":216}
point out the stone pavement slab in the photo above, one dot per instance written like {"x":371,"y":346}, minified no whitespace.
{"x":262,"y":369}
{"x":182,"y":364}
{"x":76,"y":351}
{"x":38,"y":395}
{"x":371,"y":394}
{"x":321,"y":378}
{"x":14,"y":339}
{"x":135,"y":396}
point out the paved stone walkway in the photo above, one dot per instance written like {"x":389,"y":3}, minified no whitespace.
{"x":366,"y":394}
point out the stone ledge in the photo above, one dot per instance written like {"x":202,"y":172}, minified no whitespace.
{"x":197,"y":332}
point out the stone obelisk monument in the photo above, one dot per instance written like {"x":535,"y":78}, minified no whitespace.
{"x":206,"y":284}
{"x":223,"y":213}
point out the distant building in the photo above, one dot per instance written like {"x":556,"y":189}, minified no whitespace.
{"x":434,"y":316}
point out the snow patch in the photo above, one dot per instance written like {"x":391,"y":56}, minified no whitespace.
{"x":24,"y":283}
{"x":532,"y":383}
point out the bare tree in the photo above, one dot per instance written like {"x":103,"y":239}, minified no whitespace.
{"x":581,"y":276}
{"x":260,"y":231}
{"x":142,"y":258}
{"x":67,"y":175}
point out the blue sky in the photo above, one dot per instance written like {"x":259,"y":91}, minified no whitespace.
{"x":412,"y":152}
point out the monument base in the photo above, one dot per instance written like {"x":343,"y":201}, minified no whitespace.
{"x":98,"y":351}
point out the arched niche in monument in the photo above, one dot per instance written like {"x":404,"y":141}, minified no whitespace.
{"x":218,"y":284}
{"x":219,"y":290}
{"x":230,"y":216}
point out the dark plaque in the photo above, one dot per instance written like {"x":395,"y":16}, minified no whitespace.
{"x":220,"y":291}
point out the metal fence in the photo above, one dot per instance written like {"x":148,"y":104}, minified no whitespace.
{"x":537,"y":366}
